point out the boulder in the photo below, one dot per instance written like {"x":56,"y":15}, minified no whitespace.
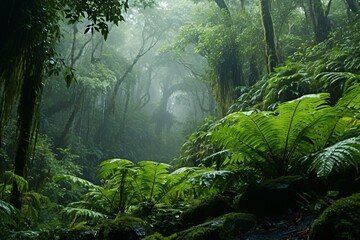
{"x":124,"y":227}
{"x":209,"y":208}
{"x":271,"y":196}
{"x":228,"y":226}
{"x":340,"y":221}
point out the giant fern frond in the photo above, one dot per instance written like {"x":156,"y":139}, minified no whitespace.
{"x":74,"y":180}
{"x":8,"y":214}
{"x":11,"y":178}
{"x":152,"y":176}
{"x":340,"y":155}
{"x":84,"y":214}
{"x":111,"y":166}
{"x":351,"y":98}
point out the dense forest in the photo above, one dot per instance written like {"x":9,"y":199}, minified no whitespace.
{"x":180,"y":120}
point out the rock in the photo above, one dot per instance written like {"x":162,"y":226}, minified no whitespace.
{"x":78,"y":235}
{"x":124,"y":227}
{"x":340,"y":221}
{"x":228,"y":226}
{"x":271,"y":196}
{"x":210,"y":208}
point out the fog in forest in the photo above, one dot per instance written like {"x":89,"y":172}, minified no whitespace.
{"x":136,"y":95}
{"x":169,"y":119}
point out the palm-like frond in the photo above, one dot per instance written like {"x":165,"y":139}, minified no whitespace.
{"x":152,"y":176}
{"x":8,"y":214}
{"x":247,"y":133}
{"x":280,"y":139}
{"x":340,"y":155}
{"x":176,"y":183}
{"x":10,"y":178}
{"x":84,"y":214}
{"x":351,"y":99}
{"x":74,"y":180}
{"x":293,"y":117}
{"x":111,"y":166}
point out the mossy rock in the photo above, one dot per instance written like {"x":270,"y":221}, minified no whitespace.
{"x":228,"y":226}
{"x":271,"y":196}
{"x":340,"y":221}
{"x":124,"y":227}
{"x":155,"y":236}
{"x":208,"y":209}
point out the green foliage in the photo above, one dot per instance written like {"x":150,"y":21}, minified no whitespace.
{"x":9,"y":178}
{"x":305,"y":128}
{"x":8,"y":216}
{"x":198,"y":146}
{"x":83,"y":214}
{"x":332,"y":66}
{"x":335,"y":157}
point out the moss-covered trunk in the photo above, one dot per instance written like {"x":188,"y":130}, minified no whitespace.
{"x":269,"y":36}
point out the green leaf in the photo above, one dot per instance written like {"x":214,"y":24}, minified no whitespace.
{"x":338,"y":156}
{"x":111,"y":166}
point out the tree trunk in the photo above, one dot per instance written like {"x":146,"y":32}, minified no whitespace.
{"x":269,"y":36}
{"x":27,"y":122}
{"x":320,"y":23}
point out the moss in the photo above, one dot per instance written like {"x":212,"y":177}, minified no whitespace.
{"x":155,"y":236}
{"x":124,"y":227}
{"x":340,"y":221}
{"x":228,"y":226}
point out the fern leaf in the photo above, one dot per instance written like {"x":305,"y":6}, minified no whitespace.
{"x":10,"y":178}
{"x":75,"y":180}
{"x":340,"y":155}
{"x":293,"y":117}
{"x":351,"y":98}
{"x":111,"y":166}
{"x":8,"y":213}
{"x":85,"y":214}
{"x":152,"y":176}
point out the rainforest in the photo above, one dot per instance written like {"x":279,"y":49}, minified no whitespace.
{"x":180,"y":120}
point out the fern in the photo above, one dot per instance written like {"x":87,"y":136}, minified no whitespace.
{"x":276,"y":141}
{"x":11,"y":178}
{"x":151,"y":178}
{"x":83,"y":214}
{"x":8,"y":214}
{"x":340,"y":155}
{"x":74,"y":180}
{"x":110,"y":167}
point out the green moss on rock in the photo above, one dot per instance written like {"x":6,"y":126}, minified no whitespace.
{"x":124,"y":227}
{"x":155,"y":236}
{"x":228,"y":226}
{"x":340,"y":221}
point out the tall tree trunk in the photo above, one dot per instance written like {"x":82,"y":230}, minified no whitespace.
{"x":229,"y":68}
{"x":27,"y":122}
{"x":269,"y":36}
{"x":320,"y":23}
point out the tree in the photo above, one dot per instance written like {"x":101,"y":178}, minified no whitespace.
{"x":269,"y":36}
{"x":31,"y":31}
{"x":319,"y":19}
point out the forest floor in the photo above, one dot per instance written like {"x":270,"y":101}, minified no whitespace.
{"x":287,"y":226}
